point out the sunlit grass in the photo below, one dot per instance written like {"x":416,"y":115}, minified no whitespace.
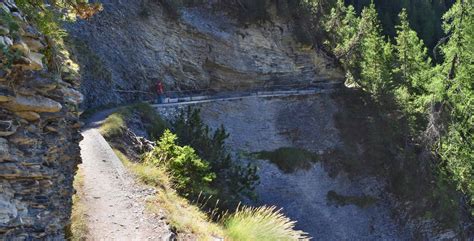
{"x":181,"y":214}
{"x":263,"y":224}
{"x":78,"y":229}
{"x":114,"y":125}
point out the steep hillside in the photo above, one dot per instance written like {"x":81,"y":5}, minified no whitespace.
{"x":130,"y":45}
{"x":324,"y":159}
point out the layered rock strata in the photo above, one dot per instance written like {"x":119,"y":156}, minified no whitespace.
{"x":202,"y":49}
{"x":39,"y":132}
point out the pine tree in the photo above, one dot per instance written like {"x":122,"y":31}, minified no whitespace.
{"x":342,"y":26}
{"x":457,"y":146}
{"x":376,"y":63}
{"x":412,"y":58}
{"x":413,"y":73}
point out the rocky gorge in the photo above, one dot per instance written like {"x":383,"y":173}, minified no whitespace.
{"x":346,"y":192}
{"x":327,"y":200}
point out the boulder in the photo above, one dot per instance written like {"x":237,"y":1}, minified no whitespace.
{"x":25,"y":91}
{"x":28,"y":115}
{"x":33,"y":103}
{"x":34,"y":44}
{"x":5,"y":41}
{"x":36,"y":61}
{"x":7,"y":128}
{"x":43,"y":84}
{"x":4,"y":30}
{"x":72,"y":96}
{"x":5,"y":94}
{"x":21,"y":47}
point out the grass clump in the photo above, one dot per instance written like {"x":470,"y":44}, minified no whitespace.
{"x":290,"y":159}
{"x":150,"y":175}
{"x":78,"y":229}
{"x":262,"y":223}
{"x":113,"y":126}
{"x":342,"y":200}
{"x":183,"y":216}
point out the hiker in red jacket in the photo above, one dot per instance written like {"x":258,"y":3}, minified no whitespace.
{"x":160,"y":91}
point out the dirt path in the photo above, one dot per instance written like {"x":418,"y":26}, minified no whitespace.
{"x":115,"y":203}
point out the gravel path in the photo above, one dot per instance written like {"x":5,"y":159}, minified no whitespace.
{"x":115,"y":203}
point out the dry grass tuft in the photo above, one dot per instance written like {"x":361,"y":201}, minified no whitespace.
{"x":78,"y":229}
{"x":262,"y":223}
{"x":114,"y":125}
{"x":182,"y":215}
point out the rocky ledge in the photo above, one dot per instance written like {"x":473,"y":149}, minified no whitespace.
{"x":39,"y":132}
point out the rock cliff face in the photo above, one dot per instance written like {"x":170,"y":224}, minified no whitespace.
{"x":38,"y":133}
{"x":138,"y":45}
{"x":306,"y":122}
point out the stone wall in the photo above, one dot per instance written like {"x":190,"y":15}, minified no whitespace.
{"x":39,"y":133}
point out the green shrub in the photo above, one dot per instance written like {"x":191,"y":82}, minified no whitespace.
{"x":232,"y":181}
{"x":48,"y":17}
{"x":190,"y":174}
{"x":263,"y":223}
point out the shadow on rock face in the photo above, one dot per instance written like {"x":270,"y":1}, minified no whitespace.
{"x":289,"y":159}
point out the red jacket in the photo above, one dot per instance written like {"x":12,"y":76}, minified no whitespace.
{"x":159,"y":88}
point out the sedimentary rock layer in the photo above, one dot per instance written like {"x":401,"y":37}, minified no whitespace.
{"x":39,"y":134}
{"x":123,"y":51}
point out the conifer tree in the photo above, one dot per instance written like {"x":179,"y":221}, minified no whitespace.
{"x":413,"y":73}
{"x":376,"y":63}
{"x":457,"y":146}
{"x":412,"y":58}
{"x":342,"y":26}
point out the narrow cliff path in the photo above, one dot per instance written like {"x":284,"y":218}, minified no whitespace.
{"x":115,"y":203}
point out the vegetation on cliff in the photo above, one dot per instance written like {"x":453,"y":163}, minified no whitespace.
{"x":233,"y":181}
{"x":193,"y":189}
{"x":436,"y":100}
{"x":386,"y":49}
{"x":48,"y":18}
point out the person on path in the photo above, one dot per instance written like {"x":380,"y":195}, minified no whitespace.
{"x":160,"y":91}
